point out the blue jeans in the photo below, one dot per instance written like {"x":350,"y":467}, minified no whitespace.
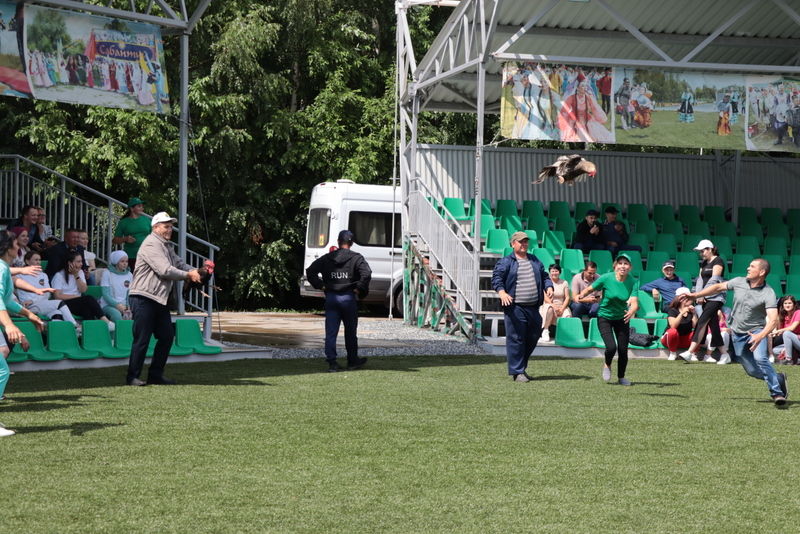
{"x":341,"y":308}
{"x":523,"y":330}
{"x":579,"y":309}
{"x":756,"y":364}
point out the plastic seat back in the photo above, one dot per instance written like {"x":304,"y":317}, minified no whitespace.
{"x":487,"y":223}
{"x":752,"y":229}
{"x":663,"y":213}
{"x":37,"y":350}
{"x":123,"y":335}
{"x":793,"y":285}
{"x":638,"y":213}
{"x":640,"y":327}
{"x":558,"y":209}
{"x":496,"y":241}
{"x":667,"y":243}
{"x":532,"y":208}
{"x":728,"y":229}
{"x":603,"y":260}
{"x":689,"y":214}
{"x":714,"y":215}
{"x":188,"y":335}
{"x":512,"y":224}
{"x":771,"y":216}
{"x":456,"y":207}
{"x":594,"y":334}
{"x":640,"y":240}
{"x":571,"y":262}
{"x":533,"y":239}
{"x":61,"y":337}
{"x":687,"y":261}
{"x":506,"y":207}
{"x":544,"y":256}
{"x":748,"y":244}
{"x":582,"y":207}
{"x":647,"y":307}
{"x":96,"y":337}
{"x":740,"y":263}
{"x":777,"y":265}
{"x":775,"y":245}
{"x":569,"y":333}
{"x":486,"y":207}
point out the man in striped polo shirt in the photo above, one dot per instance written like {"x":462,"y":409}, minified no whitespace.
{"x":520,"y":281}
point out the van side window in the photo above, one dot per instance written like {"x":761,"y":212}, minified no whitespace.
{"x":319,"y":227}
{"x":375,"y":229}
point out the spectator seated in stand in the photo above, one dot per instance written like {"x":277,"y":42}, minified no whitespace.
{"x":50,"y":242}
{"x":22,"y":241}
{"x":29,"y":220}
{"x":556,"y":301}
{"x":115,"y":283}
{"x":45,"y":230}
{"x":589,"y":233}
{"x":681,"y":320}
{"x":41,"y":304}
{"x":664,"y":288}
{"x":89,"y":265}
{"x":615,"y":233}
{"x":56,"y":256}
{"x":788,"y":331}
{"x":591,"y":303}
{"x":70,"y":285}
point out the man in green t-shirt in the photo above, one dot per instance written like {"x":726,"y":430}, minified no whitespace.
{"x":132,"y":229}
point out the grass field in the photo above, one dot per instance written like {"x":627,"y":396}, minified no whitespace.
{"x":414,"y":444}
{"x":667,"y":131}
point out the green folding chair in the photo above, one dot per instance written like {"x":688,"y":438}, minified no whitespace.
{"x":647,"y":307}
{"x":61,"y":337}
{"x":603,"y":260}
{"x":569,"y":333}
{"x":496,"y":241}
{"x":188,"y":335}
{"x":37,"y":351}
{"x":97,"y":338}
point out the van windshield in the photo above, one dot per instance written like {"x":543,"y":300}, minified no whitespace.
{"x":375,"y":229}
{"x":319,"y":227}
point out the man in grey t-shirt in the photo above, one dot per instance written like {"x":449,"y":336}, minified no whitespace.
{"x":754,"y":316}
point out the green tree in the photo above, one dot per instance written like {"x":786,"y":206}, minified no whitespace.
{"x":47,"y":29}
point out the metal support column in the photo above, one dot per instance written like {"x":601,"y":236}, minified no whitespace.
{"x":737,"y":174}
{"x":476,"y":224}
{"x":183,"y":163}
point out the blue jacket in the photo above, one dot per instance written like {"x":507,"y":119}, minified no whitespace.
{"x":504,"y":276}
{"x":667,"y":288}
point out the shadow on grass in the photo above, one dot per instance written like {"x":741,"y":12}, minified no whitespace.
{"x":253,"y":372}
{"x":665,"y":395}
{"x":658,"y":384}
{"x":561,"y":377}
{"x":76,"y":429}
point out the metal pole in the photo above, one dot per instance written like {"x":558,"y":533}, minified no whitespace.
{"x":737,"y":170}
{"x":183,"y":161}
{"x":110,"y":231}
{"x":476,"y":225}
{"x":62,"y":216}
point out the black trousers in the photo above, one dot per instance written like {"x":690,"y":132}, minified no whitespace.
{"x":709,"y":320}
{"x":149,"y":318}
{"x":608,"y":328}
{"x":85,"y":306}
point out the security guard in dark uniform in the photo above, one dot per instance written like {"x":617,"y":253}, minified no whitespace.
{"x":345,"y":278}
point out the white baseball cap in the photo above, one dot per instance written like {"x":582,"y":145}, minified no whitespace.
{"x":161,"y":217}
{"x":681,"y":291}
{"x":704,"y":243}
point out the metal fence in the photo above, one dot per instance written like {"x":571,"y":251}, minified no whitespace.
{"x":70,"y":204}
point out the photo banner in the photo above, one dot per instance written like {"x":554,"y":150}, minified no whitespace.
{"x":13,"y":81}
{"x":93,"y":60}
{"x":543,"y":101}
{"x":557,"y":102}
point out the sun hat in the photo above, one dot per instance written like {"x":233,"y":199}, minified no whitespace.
{"x":161,"y":217}
{"x":703,"y":244}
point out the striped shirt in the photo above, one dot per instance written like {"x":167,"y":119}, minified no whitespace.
{"x":526,"y":292}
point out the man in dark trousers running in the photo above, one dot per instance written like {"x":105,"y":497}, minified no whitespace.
{"x":345,"y":277}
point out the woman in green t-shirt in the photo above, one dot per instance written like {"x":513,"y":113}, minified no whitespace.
{"x":618,"y":306}
{"x":132,"y":229}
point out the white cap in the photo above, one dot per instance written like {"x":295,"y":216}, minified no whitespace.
{"x":704,"y":243}
{"x":681,"y":291}
{"x":162,"y":216}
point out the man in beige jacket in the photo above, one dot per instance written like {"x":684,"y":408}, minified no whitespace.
{"x":157,"y":266}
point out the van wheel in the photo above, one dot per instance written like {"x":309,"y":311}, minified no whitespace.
{"x":398,"y":302}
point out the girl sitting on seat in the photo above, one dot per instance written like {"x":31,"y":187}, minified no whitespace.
{"x":70,"y":286}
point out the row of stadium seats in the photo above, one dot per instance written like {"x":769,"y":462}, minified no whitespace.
{"x":570,"y":333}
{"x":62,"y":341}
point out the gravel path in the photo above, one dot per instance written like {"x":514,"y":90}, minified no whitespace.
{"x":411,"y":341}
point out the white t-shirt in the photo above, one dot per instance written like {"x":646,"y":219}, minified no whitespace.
{"x":119,"y":284}
{"x":68,"y":288}
{"x":36,"y":280}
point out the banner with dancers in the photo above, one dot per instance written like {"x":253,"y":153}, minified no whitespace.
{"x":773,"y":114}
{"x":543,"y":101}
{"x":87,"y":59}
{"x":13,"y":81}
{"x":681,"y":109}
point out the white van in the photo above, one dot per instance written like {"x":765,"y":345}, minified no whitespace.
{"x":369,"y":212}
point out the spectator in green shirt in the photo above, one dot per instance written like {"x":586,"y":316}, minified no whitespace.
{"x":618,"y":306}
{"x":132,"y":229}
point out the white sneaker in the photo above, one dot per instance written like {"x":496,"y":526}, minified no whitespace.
{"x":4,"y":432}
{"x":709,"y":359}
{"x":624,"y":382}
{"x":694,"y":358}
{"x":545,"y":335}
{"x":672,"y":356}
{"x":687,"y":356}
{"x":606,"y":373}
{"x":724,"y":359}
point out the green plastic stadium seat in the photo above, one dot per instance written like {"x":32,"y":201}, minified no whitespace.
{"x":667,"y":243}
{"x":752,"y":229}
{"x":663,"y":213}
{"x":509,"y":250}
{"x":659,"y":327}
{"x":486,"y":207}
{"x":540,"y":224}
{"x":793,"y":285}
{"x":640,"y":326}
{"x":123,"y":335}
{"x":779,"y":230}
{"x":649,"y":229}
{"x":638,"y":213}
{"x":594,"y":334}
{"x":487,"y":223}
{"x":558,"y":209}
{"x":533,"y":241}
{"x":531,"y":209}
{"x":647,"y":307}
{"x":748,"y":244}
{"x":689,"y":214}
{"x":37,"y":350}
{"x":640,"y":240}
{"x":506,"y":207}
{"x":794,"y":264}
{"x":723,"y":244}
{"x":571,"y":260}
{"x":636,"y":261}
{"x":96,"y":337}
{"x":496,"y":241}
{"x":648,"y":276}
{"x":188,"y":335}
{"x":566,"y":225}
{"x":554,"y":241}
{"x":687,"y":277}
{"x":61,"y":337}
{"x":687,"y":261}
{"x":771,"y":216}
{"x":545,"y":256}
{"x":747,"y":216}
{"x":582,"y":207}
{"x":714,"y":215}
{"x":777,"y":265}
{"x":727,"y":229}
{"x":94,"y":291}
{"x":774,"y":281}
{"x":569,"y":333}
{"x":691,"y":240}
{"x":698,"y":227}
{"x":511,"y":224}
{"x":740,"y":264}
{"x":603,"y":260}
{"x":456,"y":208}
{"x":672,"y":227}
{"x":792,"y":221}
{"x":795,"y":247}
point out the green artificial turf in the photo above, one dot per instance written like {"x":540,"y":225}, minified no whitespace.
{"x":409,"y":444}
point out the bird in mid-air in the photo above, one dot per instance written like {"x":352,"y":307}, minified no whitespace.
{"x":568,"y":169}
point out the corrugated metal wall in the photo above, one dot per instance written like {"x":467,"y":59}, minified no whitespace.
{"x":622,"y":177}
